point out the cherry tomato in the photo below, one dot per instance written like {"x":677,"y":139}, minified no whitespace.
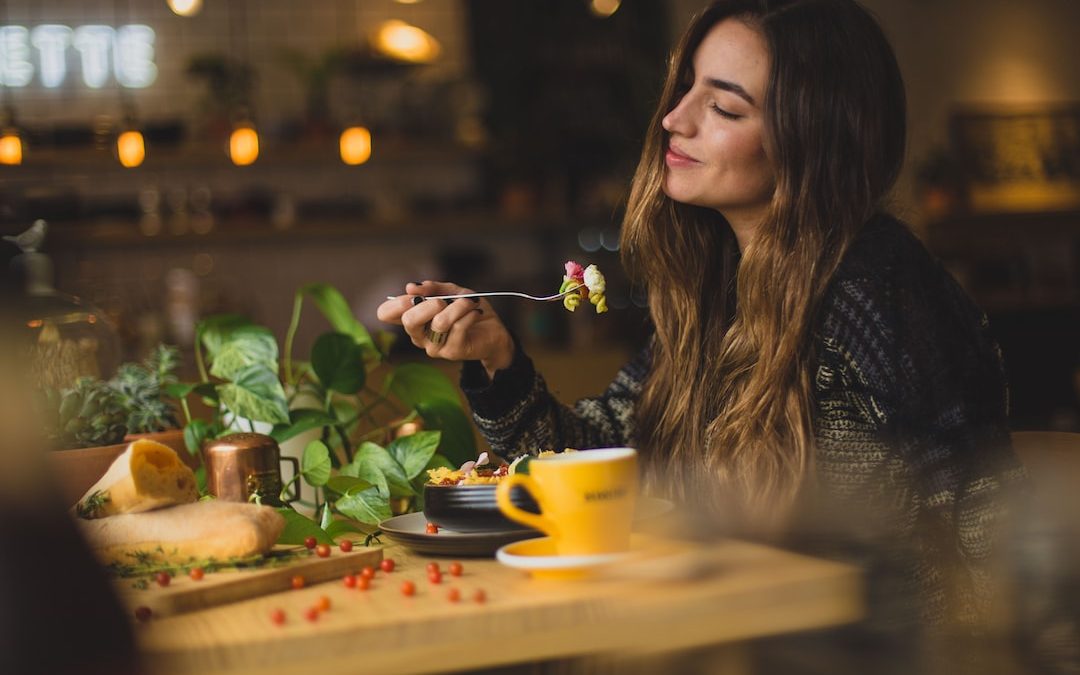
{"x":431,"y":528}
{"x":197,"y":573}
{"x":322,"y":550}
{"x":163,"y":579}
{"x":363,"y":583}
{"x":387,"y":565}
{"x":453,"y":595}
{"x":311,"y":614}
{"x":298,"y":582}
{"x":368,"y":572}
{"x":345,"y":546}
{"x":324,"y":603}
{"x":349,"y":581}
{"x":310,"y":542}
{"x":408,"y":588}
{"x":480,"y":596}
{"x":456,"y":569}
{"x":433,"y":567}
{"x":143,"y":613}
{"x":435,"y":577}
{"x":277,"y":616}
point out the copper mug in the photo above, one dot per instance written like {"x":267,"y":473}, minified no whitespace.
{"x":245,"y":467}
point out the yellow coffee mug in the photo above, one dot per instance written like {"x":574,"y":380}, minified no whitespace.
{"x":586,"y":499}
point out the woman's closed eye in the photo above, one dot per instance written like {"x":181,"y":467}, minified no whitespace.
{"x":724,"y":113}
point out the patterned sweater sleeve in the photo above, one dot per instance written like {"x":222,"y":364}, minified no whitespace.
{"x":921,"y":371}
{"x":517,"y":414}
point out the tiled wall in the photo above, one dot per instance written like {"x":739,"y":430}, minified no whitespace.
{"x":256,"y":30}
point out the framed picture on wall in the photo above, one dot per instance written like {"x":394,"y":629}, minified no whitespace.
{"x":1019,"y":159}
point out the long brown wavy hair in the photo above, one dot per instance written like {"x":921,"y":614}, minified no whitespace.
{"x":726,"y":414}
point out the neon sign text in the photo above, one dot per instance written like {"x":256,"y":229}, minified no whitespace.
{"x":128,"y":49}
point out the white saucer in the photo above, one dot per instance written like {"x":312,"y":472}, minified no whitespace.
{"x":538,"y":558}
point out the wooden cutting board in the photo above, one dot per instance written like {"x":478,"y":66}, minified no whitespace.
{"x":184,"y":594}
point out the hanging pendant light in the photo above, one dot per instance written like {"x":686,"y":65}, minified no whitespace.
{"x":355,"y":145}
{"x":11,"y":150}
{"x":130,"y":148}
{"x":604,"y":8}
{"x":244,"y":144}
{"x":185,"y":7}
{"x":405,"y":42}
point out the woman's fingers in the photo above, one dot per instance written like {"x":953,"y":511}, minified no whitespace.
{"x":457,"y":345}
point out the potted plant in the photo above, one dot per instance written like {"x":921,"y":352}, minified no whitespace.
{"x":361,"y":467}
{"x":90,"y":423}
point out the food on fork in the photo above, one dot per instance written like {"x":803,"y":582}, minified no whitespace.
{"x":590,"y":284}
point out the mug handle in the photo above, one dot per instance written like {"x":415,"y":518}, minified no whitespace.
{"x":502,"y":498}
{"x":296,"y":472}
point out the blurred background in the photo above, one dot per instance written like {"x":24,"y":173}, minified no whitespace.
{"x":194,"y":157}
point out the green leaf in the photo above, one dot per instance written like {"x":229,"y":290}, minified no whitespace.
{"x":367,"y":506}
{"x":369,"y":472}
{"x":337,"y":311}
{"x":180,"y":390}
{"x":315,"y":464}
{"x":195,"y":433}
{"x":256,"y":394}
{"x":340,"y":527}
{"x":213,"y":331}
{"x":301,"y":420}
{"x":413,"y":452}
{"x":346,"y":484}
{"x":327,"y":517}
{"x":415,"y":383}
{"x":458,"y":441}
{"x":245,"y":347}
{"x":370,"y":454}
{"x":298,"y":527}
{"x":438,"y":461}
{"x":338,"y":362}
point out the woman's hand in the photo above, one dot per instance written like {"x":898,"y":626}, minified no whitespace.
{"x":466,"y":329}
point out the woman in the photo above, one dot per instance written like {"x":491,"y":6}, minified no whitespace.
{"x":807,"y":349}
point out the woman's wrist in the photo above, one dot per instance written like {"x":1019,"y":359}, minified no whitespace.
{"x":502,"y":356}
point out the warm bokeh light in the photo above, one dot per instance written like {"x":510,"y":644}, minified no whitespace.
{"x":405,"y":42}
{"x":243,"y":146}
{"x":604,"y":8}
{"x":185,"y":7}
{"x":10,"y":148}
{"x":355,"y":145}
{"x":130,"y":149}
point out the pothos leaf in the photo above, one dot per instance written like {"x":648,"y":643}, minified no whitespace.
{"x":338,"y":362}
{"x":367,"y":506}
{"x":256,"y":394}
{"x":298,"y":527}
{"x":315,"y":463}
{"x":413,"y":452}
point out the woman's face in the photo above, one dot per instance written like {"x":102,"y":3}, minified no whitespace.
{"x":715,"y":156}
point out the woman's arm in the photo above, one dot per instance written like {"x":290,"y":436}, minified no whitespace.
{"x":517,"y":414}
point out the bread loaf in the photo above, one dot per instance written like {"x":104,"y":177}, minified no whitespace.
{"x":206,"y":529}
{"x":148,"y":475}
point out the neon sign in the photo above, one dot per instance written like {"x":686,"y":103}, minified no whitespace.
{"x":128,"y":49}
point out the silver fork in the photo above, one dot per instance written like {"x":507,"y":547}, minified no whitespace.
{"x":538,"y":298}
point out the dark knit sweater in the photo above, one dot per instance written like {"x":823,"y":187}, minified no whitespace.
{"x":909,"y":410}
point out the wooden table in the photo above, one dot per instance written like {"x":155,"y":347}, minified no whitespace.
{"x":750,"y":591}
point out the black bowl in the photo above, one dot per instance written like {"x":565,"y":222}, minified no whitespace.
{"x":472,"y":508}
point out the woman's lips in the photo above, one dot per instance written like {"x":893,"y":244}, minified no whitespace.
{"x":674,"y":158}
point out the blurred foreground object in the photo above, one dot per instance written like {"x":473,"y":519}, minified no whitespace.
{"x":64,"y":337}
{"x":57,"y":611}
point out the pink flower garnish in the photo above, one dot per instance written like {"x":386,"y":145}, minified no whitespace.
{"x":574,"y":271}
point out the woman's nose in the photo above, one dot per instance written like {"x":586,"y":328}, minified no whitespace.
{"x":676,"y":121}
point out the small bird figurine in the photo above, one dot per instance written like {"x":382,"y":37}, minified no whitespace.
{"x":31,"y":240}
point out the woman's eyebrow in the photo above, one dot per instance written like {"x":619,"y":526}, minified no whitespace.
{"x":730,"y":86}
